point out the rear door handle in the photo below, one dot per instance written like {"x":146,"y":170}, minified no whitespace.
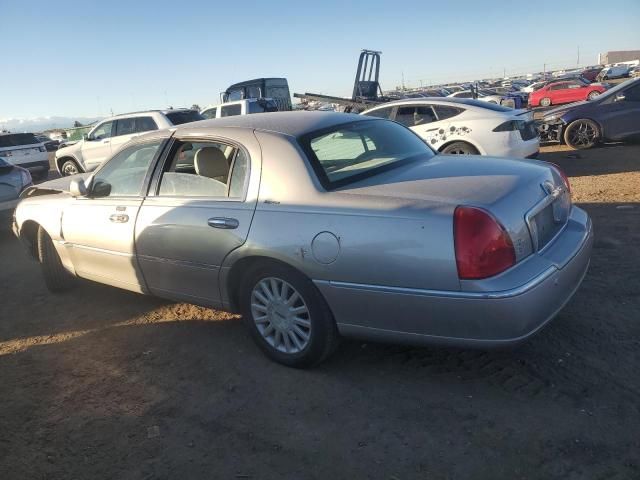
{"x":224,"y":223}
{"x":119,"y":218}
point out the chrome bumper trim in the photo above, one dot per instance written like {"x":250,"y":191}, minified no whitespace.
{"x":514,"y":292}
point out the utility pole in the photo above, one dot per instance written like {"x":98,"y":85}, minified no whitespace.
{"x":578,"y":63}
{"x":544,"y":71}
{"x":504,"y":72}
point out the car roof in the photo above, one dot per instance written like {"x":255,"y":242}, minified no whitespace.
{"x":142,"y":112}
{"x":469,"y":102}
{"x":285,"y":123}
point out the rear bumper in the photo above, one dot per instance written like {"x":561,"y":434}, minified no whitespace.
{"x":470,"y":318}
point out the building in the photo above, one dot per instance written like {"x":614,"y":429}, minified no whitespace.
{"x":618,"y":56}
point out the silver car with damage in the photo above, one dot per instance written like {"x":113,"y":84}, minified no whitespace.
{"x":315,"y":225}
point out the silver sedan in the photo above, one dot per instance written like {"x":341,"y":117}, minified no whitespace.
{"x":315,"y":225}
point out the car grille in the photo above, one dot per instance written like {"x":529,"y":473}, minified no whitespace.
{"x":529,"y":132}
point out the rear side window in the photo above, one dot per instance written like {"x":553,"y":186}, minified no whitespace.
{"x":145,"y":124}
{"x":125,"y":126}
{"x":17,"y":139}
{"x":184,"y":116}
{"x":380,"y":112}
{"x":558,"y":86}
{"x":231,"y":110}
{"x":205,"y":169}
{"x":443,"y":111}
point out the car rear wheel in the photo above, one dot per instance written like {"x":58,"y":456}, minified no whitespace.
{"x":582,"y":133}
{"x":56,"y":277}
{"x":545,"y":102}
{"x":593,"y":94}
{"x":69,"y":167}
{"x":287,"y":316}
{"x":460,"y":148}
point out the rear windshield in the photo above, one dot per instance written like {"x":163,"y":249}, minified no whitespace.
{"x":263,"y":106}
{"x":353,"y":151}
{"x":17,"y":139}
{"x":184,"y":116}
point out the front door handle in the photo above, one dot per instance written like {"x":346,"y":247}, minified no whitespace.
{"x":119,"y":218}
{"x":224,"y":223}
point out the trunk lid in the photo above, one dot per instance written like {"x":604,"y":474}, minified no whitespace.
{"x":527,"y":197}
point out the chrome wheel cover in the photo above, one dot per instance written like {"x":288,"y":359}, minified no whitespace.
{"x":281,"y":315}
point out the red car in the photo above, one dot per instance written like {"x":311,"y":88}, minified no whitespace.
{"x":564,"y":92}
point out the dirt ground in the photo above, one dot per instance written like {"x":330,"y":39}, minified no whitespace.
{"x":102,"y":383}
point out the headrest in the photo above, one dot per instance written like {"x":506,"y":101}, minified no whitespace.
{"x":211,"y":162}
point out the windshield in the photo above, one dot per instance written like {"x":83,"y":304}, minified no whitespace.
{"x":350,"y":152}
{"x":184,"y":116}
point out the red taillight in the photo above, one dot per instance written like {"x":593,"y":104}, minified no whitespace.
{"x":564,"y":177}
{"x":483,"y":247}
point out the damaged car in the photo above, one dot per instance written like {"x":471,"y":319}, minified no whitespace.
{"x":612,"y":116}
{"x":316,"y":225}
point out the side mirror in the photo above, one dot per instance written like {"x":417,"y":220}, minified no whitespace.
{"x":77,"y":188}
{"x":620,"y":97}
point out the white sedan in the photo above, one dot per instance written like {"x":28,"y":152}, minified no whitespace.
{"x":465,"y":126}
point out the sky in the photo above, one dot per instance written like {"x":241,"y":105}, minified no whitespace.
{"x":88,"y":59}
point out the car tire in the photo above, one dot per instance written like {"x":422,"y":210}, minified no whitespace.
{"x":460,"y":148}
{"x":56,"y":277}
{"x":287,"y":316}
{"x":593,"y":94}
{"x":581,"y":134}
{"x":69,"y":167}
{"x":545,"y":102}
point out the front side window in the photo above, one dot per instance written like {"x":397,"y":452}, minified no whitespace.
{"x":125,"y":126}
{"x":349,"y":152}
{"x":124,"y":174}
{"x":102,"y":131}
{"x":632,"y":94}
{"x":205,"y":169}
{"x":415,"y":115}
{"x":231,"y":110}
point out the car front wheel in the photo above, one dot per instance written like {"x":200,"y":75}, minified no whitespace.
{"x":287,"y":316}
{"x":69,"y":167}
{"x":56,"y":277}
{"x":582,"y":133}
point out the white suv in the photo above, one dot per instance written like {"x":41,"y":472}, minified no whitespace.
{"x":108,"y":136}
{"x":26,"y":151}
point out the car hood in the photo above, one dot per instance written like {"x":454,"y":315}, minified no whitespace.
{"x":558,"y":111}
{"x":69,"y":149}
{"x":58,"y":185}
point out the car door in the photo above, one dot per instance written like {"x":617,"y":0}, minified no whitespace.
{"x":421,"y":119}
{"x":622,"y":117}
{"x":96,"y":148}
{"x":125,"y":132}
{"x":98,"y":229}
{"x":197,"y":214}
